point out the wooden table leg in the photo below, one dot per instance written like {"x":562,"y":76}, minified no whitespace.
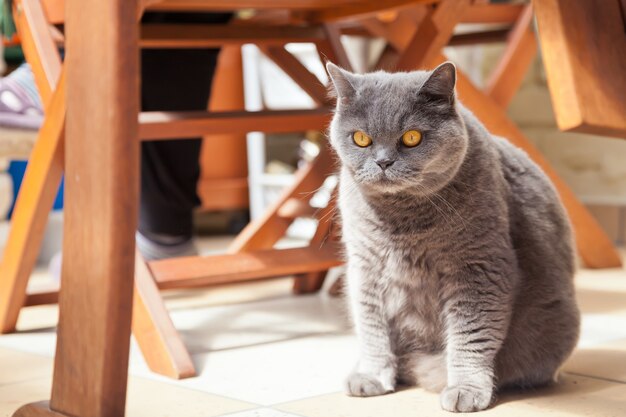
{"x":102,"y":161}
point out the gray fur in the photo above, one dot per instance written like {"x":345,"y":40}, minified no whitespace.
{"x":460,"y":261}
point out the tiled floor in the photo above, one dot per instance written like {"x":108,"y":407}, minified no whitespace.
{"x":262,"y":352}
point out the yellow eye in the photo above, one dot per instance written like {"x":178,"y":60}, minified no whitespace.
{"x":361,"y":139}
{"x":411,"y":138}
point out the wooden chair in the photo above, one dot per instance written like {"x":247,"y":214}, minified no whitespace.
{"x":415,"y":35}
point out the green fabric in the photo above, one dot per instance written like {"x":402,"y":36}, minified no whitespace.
{"x":7,"y":30}
{"x":7,"y":26}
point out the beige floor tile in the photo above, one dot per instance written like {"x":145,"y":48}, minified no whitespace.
{"x":16,"y":366}
{"x":262,"y":412}
{"x":13,"y":396}
{"x":147,"y":398}
{"x":573,"y":396}
{"x":603,"y":361}
{"x":601,"y":291}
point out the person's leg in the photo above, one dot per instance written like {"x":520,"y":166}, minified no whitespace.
{"x":172,"y":80}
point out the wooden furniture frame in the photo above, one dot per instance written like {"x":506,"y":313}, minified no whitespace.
{"x":583,"y":45}
{"x":98,"y":255}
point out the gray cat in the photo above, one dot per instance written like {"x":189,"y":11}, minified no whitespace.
{"x":460,"y":261}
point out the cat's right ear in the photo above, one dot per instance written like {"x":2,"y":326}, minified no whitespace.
{"x":343,"y":81}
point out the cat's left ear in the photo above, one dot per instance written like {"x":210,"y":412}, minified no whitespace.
{"x":440,"y":84}
{"x":344,"y":82}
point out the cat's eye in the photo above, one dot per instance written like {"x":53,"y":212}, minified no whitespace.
{"x":411,"y":138}
{"x":361,"y":139}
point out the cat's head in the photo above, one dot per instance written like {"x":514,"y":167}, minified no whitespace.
{"x":398,"y":132}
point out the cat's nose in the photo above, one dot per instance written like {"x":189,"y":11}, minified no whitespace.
{"x":384,"y":163}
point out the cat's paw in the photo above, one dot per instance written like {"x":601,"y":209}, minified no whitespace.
{"x":366,"y":385}
{"x":465,"y":399}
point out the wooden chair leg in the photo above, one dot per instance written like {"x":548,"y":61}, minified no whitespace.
{"x":594,"y":246}
{"x":265,"y":231}
{"x":159,"y":341}
{"x":36,"y":197}
{"x":312,"y":282}
{"x":520,"y":52}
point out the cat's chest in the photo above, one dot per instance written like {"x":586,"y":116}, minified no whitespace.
{"x":412,"y":288}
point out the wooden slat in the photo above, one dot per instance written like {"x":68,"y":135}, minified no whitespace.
{"x":42,"y":295}
{"x":295,"y":208}
{"x":155,"y":35}
{"x":363,"y":9}
{"x":166,"y":125}
{"x":473,"y":38}
{"x":594,"y":246}
{"x":432,"y":35}
{"x":332,"y":48}
{"x":265,"y":231}
{"x":398,"y":33}
{"x":245,"y":266}
{"x":492,"y":13}
{"x":298,"y":73}
{"x":209,"y":5}
{"x":313,"y":281}
{"x":160,"y":343}
{"x":512,"y":67}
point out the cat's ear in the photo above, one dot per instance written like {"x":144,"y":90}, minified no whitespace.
{"x":440,"y":84}
{"x":344,"y":82}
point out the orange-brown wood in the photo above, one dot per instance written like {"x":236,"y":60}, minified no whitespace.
{"x":594,"y":246}
{"x":42,"y":295}
{"x":313,"y":281}
{"x":399,"y":32}
{"x":432,"y":35}
{"x":332,"y":48}
{"x":492,"y":13}
{"x":584,"y":45}
{"x":55,"y":11}
{"x":353,"y":7}
{"x":298,"y":73}
{"x":362,"y":9}
{"x":167,"y":125}
{"x":38,"y":409}
{"x":36,"y":197}
{"x":101,"y":196}
{"x":38,"y":46}
{"x":243,"y":266}
{"x":520,"y":52}
{"x":160,"y":343}
{"x":223,"y":193}
{"x":211,"y":36}
{"x":294,"y":208}
{"x":265,"y":231}
{"x":223,"y":183}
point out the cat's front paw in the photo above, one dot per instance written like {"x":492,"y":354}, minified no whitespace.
{"x":465,"y":399}
{"x":366,"y":385}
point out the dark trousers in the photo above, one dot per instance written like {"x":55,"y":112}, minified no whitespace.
{"x":173,"y":80}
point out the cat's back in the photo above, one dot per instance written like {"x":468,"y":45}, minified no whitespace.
{"x":539,"y":226}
